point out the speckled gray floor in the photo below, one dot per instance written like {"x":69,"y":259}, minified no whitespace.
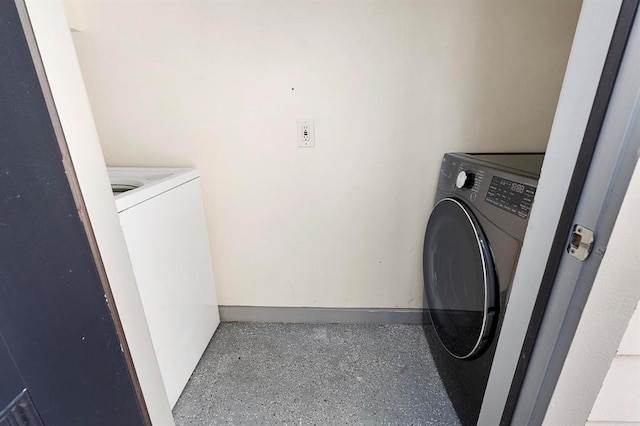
{"x":309,"y":374}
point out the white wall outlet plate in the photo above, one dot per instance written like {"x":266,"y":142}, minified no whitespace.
{"x":306,"y":134}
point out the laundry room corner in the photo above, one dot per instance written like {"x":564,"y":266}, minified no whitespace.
{"x":391,"y":88}
{"x":320,"y":212}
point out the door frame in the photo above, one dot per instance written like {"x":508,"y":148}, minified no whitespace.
{"x":597,"y":195}
{"x":588,"y":156}
{"x":58,"y":67}
{"x":79,"y":201}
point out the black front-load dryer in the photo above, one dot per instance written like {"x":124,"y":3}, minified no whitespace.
{"x":471,"y":247}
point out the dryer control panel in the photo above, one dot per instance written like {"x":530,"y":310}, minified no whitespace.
{"x":498,"y":191}
{"x":510,"y":196}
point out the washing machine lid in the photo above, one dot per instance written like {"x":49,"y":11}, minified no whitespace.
{"x":134,"y":185}
{"x":459,"y":279}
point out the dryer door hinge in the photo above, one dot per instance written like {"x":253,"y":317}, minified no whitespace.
{"x":581,"y":242}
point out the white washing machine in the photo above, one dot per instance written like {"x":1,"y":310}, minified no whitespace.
{"x":162,"y":217}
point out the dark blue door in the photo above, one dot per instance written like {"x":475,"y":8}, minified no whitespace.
{"x":57,"y":335}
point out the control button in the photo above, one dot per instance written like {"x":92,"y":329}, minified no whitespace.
{"x":464,"y":180}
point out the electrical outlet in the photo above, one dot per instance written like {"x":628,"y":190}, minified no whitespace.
{"x":306,"y":134}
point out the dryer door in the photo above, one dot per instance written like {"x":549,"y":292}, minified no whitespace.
{"x":459,"y":279}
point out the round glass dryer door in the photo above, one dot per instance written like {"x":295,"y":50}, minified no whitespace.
{"x":459,"y":279}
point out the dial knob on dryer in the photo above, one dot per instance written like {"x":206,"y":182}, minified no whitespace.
{"x":465,"y":180}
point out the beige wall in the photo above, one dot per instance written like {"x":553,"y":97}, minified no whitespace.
{"x":619,"y":397}
{"x":391,"y":86}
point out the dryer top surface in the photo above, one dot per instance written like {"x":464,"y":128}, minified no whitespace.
{"x":526,"y":164}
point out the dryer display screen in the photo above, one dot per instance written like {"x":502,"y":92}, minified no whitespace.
{"x":511,"y":196}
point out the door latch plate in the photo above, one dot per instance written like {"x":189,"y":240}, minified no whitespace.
{"x":581,"y":242}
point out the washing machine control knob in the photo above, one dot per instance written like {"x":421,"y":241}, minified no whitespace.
{"x":465,"y":180}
